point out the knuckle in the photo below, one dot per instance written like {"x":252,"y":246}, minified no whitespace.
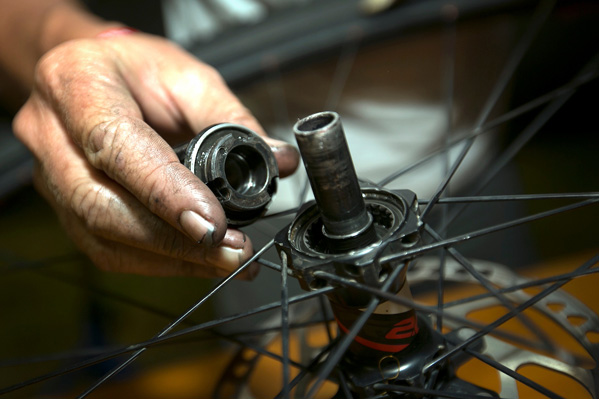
{"x":87,"y":206}
{"x":124,"y":147}
{"x":210,"y":73}
{"x":243,"y":116}
{"x":97,"y":208}
{"x":46,"y":71}
{"x":107,"y":141}
{"x":104,"y":136}
{"x":54,"y":70}
{"x":21,"y":123}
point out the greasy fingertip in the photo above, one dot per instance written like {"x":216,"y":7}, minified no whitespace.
{"x":235,"y":250}
{"x":235,"y":239}
{"x":198,"y":228}
{"x":225,"y":257}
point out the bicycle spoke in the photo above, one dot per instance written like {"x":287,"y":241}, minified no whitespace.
{"x":349,"y":336}
{"x":15,"y":264}
{"x":482,"y":232}
{"x":165,"y":338}
{"x":425,"y":308}
{"x":269,"y":264}
{"x":488,"y":127}
{"x":424,"y":392}
{"x":339,"y":350}
{"x":285,"y":329}
{"x":175,"y":323}
{"x":528,"y":284}
{"x":514,"y":148}
{"x":525,"y":136}
{"x":158,"y":312}
{"x":508,"y":316}
{"x":514,"y":197}
{"x":256,"y":348}
{"x":343,"y":385}
{"x":518,"y":377}
{"x":70,"y":355}
{"x":564,"y":90}
{"x":449,"y":55}
{"x":549,"y":346}
{"x":343,"y":69}
{"x":441,"y":290}
{"x":537,"y":21}
{"x":267,"y":353}
{"x":123,"y":351}
{"x":214,"y":334}
{"x":448,"y":176}
{"x":86,"y":352}
{"x":588,"y":74}
{"x":317,"y":359}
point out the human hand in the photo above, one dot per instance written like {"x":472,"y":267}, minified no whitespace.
{"x":98,"y":121}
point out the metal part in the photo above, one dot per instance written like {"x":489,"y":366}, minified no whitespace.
{"x":327,"y":239}
{"x":306,"y":251}
{"x":559,"y":306}
{"x":348,"y":228}
{"x":321,"y":141}
{"x":398,"y":372}
{"x":237,"y":165}
{"x":345,"y":232}
{"x":405,"y":368}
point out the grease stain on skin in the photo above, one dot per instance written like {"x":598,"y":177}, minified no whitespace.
{"x":198,"y":228}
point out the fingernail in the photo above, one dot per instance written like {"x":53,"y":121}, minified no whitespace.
{"x":234,"y":239}
{"x":225,"y":257}
{"x":197,"y":227}
{"x":278,"y":145}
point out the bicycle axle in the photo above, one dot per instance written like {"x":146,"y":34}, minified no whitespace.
{"x":339,"y":238}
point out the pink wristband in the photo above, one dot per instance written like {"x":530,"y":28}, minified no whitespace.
{"x":113,"y":32}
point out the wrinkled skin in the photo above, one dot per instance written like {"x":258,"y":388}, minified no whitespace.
{"x":98,"y":120}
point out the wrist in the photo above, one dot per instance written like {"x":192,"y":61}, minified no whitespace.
{"x":69,"y":21}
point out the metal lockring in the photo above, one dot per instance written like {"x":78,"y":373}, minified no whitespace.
{"x":237,"y":165}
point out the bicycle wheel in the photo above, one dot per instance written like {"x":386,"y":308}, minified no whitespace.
{"x":514,"y":348}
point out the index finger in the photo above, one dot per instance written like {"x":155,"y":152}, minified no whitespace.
{"x":218,"y":104}
{"x":103,"y":118}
